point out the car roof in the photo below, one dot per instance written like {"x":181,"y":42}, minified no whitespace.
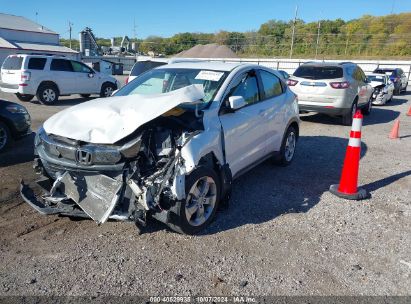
{"x":208,"y":65}
{"x":323,"y":63}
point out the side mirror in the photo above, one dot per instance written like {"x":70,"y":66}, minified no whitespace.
{"x":236,"y":102}
{"x":90,"y":75}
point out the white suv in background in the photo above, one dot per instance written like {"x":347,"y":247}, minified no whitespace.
{"x":336,"y":89}
{"x":49,"y":77}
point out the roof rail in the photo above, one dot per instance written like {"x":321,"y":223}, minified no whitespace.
{"x":346,"y":62}
{"x":46,"y":54}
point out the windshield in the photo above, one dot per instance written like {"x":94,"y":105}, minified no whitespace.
{"x":162,"y":80}
{"x":319,"y":72}
{"x":376,"y":78}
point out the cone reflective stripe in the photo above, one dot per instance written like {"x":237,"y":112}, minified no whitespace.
{"x":347,"y":188}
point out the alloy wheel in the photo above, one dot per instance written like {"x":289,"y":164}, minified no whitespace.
{"x":49,"y":95}
{"x":201,"y":201}
{"x":290,"y":146}
{"x":108,"y":91}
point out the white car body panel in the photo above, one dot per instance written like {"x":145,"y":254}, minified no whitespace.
{"x":67,"y":82}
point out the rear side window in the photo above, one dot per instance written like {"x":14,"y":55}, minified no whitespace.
{"x":271,"y":84}
{"x":319,"y":72}
{"x":12,"y":63}
{"x":61,"y":65}
{"x":37,"y":63}
{"x":143,"y":66}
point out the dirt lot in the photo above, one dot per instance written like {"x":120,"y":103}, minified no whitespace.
{"x":283,"y":233}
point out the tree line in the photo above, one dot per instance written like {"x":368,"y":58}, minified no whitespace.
{"x":369,"y":36}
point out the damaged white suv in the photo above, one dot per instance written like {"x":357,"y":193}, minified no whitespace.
{"x":167,"y":145}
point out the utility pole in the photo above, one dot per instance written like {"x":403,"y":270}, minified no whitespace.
{"x":346,"y":44}
{"x":293,"y":34}
{"x":318,"y":38}
{"x":392,"y":7}
{"x":37,"y":14}
{"x":70,"y":29}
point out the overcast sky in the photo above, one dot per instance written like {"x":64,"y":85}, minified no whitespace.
{"x":166,"y":18}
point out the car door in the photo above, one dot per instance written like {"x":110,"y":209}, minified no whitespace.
{"x":85,"y":78}
{"x":274,"y":98}
{"x":245,"y":130}
{"x":61,"y":72}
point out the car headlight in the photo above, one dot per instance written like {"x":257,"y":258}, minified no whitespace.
{"x":16,"y":109}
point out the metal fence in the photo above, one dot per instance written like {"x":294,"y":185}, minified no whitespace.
{"x":288,"y":65}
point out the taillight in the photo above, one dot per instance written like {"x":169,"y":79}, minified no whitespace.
{"x":340,"y":85}
{"x":25,"y":76}
{"x":126,"y":80}
{"x":292,"y":82}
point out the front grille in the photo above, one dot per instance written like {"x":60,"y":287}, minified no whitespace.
{"x":85,"y":155}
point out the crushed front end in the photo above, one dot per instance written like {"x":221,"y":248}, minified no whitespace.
{"x":139,"y":175}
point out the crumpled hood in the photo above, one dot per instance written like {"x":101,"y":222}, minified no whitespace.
{"x":107,"y":120}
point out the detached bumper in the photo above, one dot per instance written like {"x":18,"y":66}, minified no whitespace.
{"x":75,"y":194}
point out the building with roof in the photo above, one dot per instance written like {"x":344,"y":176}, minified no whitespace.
{"x":19,"y":35}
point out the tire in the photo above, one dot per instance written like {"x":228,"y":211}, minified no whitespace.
{"x":347,"y":119}
{"x":397,"y":91}
{"x":48,"y":94}
{"x":85,"y":95}
{"x":107,"y":89}
{"x":5,"y":136}
{"x":24,"y":97}
{"x":288,"y":146}
{"x":187,"y":213}
{"x":367,"y":109}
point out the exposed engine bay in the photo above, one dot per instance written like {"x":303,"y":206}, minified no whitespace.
{"x":140,"y":174}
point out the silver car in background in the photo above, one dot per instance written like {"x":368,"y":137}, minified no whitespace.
{"x":336,"y":89}
{"x":383,"y":88}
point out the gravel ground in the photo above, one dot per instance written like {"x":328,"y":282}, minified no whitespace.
{"x":283,"y":233}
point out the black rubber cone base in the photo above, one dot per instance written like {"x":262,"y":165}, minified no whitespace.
{"x":360,"y":195}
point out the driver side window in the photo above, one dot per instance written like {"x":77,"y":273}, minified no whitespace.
{"x":247,"y":88}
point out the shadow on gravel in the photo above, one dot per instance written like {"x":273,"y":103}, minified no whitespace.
{"x":268,"y":191}
{"x":21,"y":151}
{"x":385,"y":181}
{"x":397,"y":100}
{"x":379,"y":115}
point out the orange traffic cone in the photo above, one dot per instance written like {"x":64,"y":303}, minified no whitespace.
{"x":347,"y":188}
{"x":395,"y":130}
{"x":409,"y":112}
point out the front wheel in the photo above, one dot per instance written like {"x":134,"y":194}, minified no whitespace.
{"x":202,"y":197}
{"x":24,"y":97}
{"x":107,"y":89}
{"x":288,"y":147}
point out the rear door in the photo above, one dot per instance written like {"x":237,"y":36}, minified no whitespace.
{"x":245,"y":130}
{"x":274,"y":99}
{"x":364,"y":88}
{"x":11,"y":70}
{"x":61,"y":72}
